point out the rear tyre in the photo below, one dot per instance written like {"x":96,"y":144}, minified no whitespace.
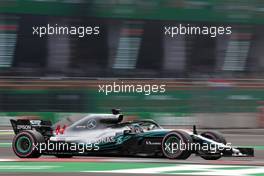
{"x":25,"y":144}
{"x":175,"y":145}
{"x":217,"y":137}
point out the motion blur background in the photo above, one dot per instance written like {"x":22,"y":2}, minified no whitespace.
{"x":212,"y":82}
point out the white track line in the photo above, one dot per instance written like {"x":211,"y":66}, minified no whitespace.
{"x":237,"y":172}
{"x":183,"y":167}
{"x":4,"y":160}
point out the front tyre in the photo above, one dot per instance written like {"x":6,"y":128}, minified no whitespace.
{"x":176,"y":145}
{"x":24,"y":144}
{"x":217,"y":137}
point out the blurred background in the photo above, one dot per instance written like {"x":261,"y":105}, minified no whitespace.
{"x":212,"y":82}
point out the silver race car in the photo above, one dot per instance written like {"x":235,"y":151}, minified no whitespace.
{"x":108,"y":135}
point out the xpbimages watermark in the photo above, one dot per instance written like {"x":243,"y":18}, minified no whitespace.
{"x":64,"y":147}
{"x":173,"y":147}
{"x":212,"y":31}
{"x":79,"y":31}
{"x":146,"y":89}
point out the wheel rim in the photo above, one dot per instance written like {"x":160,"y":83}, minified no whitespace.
{"x":23,"y":144}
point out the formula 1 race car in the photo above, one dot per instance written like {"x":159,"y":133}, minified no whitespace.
{"x":107,"y":135}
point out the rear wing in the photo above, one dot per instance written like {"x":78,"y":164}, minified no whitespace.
{"x":25,"y":124}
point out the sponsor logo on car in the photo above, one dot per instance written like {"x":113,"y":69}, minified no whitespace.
{"x":152,"y":143}
{"x":104,"y":140}
{"x":23,"y":127}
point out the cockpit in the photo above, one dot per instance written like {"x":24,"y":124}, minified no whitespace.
{"x":142,"y":126}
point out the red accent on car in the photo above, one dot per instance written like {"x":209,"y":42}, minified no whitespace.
{"x":57,"y":129}
{"x":63,"y":129}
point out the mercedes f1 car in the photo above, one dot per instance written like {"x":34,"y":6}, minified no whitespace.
{"x":107,"y":135}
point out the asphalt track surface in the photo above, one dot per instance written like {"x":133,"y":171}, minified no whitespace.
{"x":124,"y":166}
